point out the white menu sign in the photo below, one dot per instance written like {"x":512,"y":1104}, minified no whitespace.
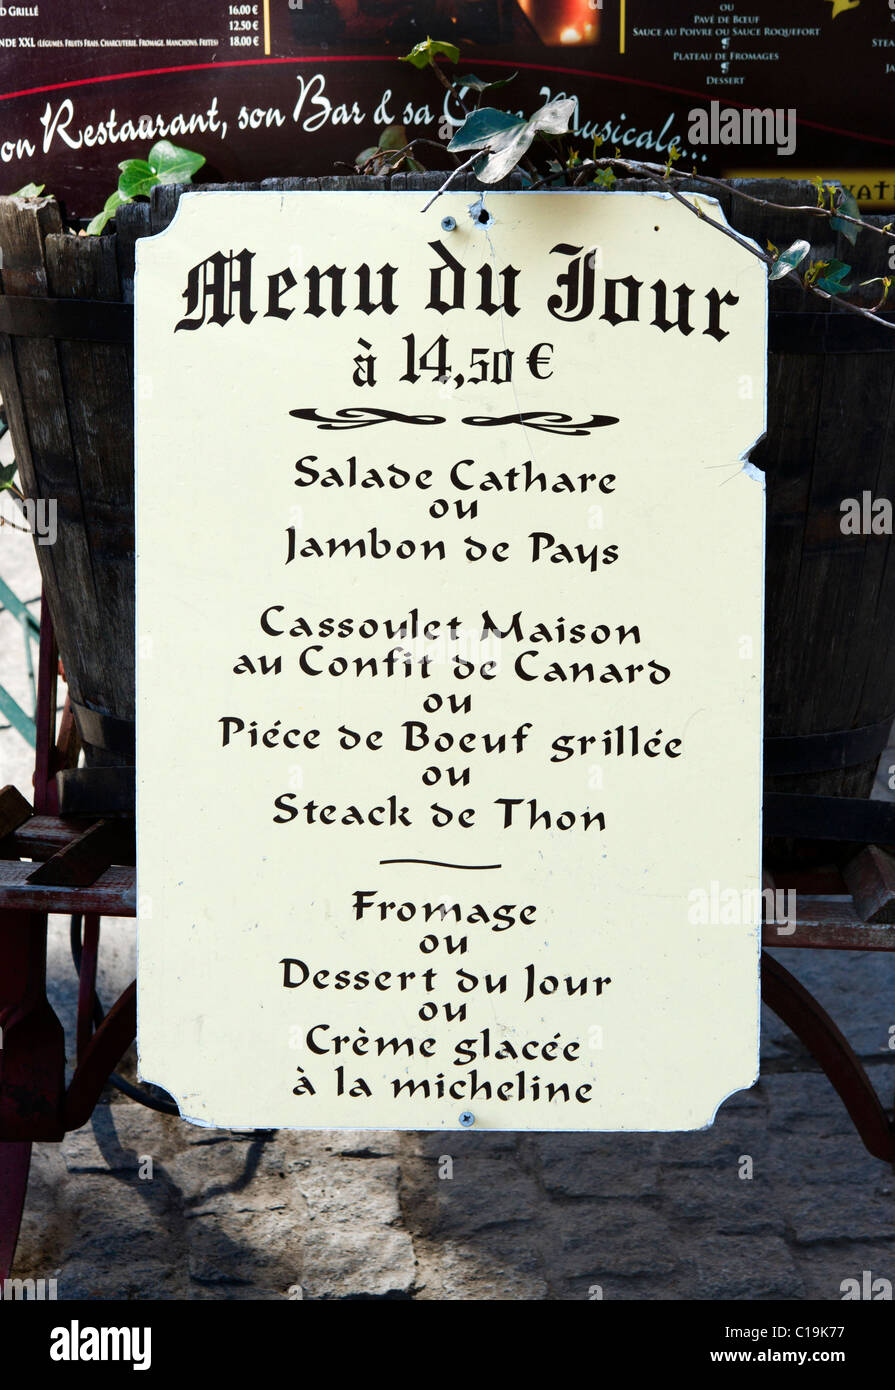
{"x":449,"y":685}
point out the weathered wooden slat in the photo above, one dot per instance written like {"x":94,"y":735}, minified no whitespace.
{"x":828,"y":659}
{"x":83,"y":859}
{"x":32,"y":386}
{"x":25,"y":223}
{"x":871,"y":881}
{"x":14,"y":811}
{"x":132,"y":222}
{"x":97,"y":381}
{"x":23,"y":226}
{"x":43,"y":836}
{"x":827,"y":924}
{"x":830,"y":598}
{"x":107,"y":791}
{"x":112,"y":895}
{"x":163,"y":204}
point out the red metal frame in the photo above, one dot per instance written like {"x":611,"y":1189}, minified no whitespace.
{"x":34,"y":1103}
{"x":801,"y":1013}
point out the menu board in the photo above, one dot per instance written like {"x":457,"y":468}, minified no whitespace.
{"x":275,"y":88}
{"x":449,"y":686}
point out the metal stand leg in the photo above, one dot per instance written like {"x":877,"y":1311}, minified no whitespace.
{"x":15,"y":1160}
{"x":801,"y":1012}
{"x":32,"y":1046}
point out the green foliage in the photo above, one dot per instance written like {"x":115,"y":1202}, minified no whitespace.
{"x":834,"y":274}
{"x":482,"y":84}
{"x":828,"y":276}
{"x":97,"y":224}
{"x":392,"y":139}
{"x":425,"y":53}
{"x":886,"y":282}
{"x":846,"y":207}
{"x":167,"y":163}
{"x":789,"y":259}
{"x":826,"y":192}
{"x":815,"y":269}
{"x":483,"y":126}
{"x":30,"y":190}
{"x":137,"y":179}
{"x":505,"y":138}
{"x":7,"y":478}
{"x":674,"y":154}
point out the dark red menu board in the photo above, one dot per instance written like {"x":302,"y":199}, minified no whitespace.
{"x":282,"y":87}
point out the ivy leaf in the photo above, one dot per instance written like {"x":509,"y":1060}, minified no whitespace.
{"x":886,"y":282}
{"x":554,"y":118}
{"x":849,"y":208}
{"x":167,"y":163}
{"x":7,"y":475}
{"x":172,"y":164}
{"x":394,"y":137}
{"x":483,"y":126}
{"x":832,"y":280}
{"x":481,"y":84}
{"x":673,"y":155}
{"x":789,"y":259}
{"x":30,"y":190}
{"x":509,"y":137}
{"x":98,"y":223}
{"x":137,"y":179}
{"x":605,"y":178}
{"x":815,"y":269}
{"x":425,"y":53}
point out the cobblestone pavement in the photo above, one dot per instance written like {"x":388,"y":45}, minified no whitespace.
{"x":140,"y":1205}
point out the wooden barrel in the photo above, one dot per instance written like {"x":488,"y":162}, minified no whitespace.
{"x":830,"y":593}
{"x":66,"y":378}
{"x":66,"y":374}
{"x":67,"y":382}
